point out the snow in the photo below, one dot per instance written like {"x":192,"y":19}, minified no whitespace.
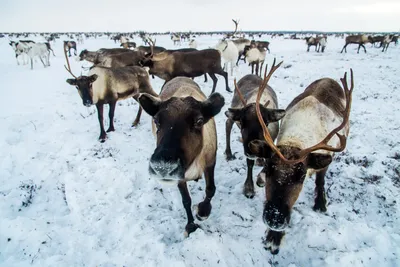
{"x":68,"y":200}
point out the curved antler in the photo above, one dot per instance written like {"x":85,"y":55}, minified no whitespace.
{"x":324,"y":143}
{"x":244,"y":102}
{"x":69,"y":67}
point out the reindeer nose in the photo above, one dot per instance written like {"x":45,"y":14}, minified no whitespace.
{"x":166,"y":167}
{"x":275,"y":217}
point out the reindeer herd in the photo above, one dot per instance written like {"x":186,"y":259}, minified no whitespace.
{"x":290,"y":143}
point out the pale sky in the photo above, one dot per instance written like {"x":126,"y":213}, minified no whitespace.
{"x":203,"y":15}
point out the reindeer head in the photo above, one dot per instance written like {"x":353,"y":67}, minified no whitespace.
{"x":179,"y":123}
{"x":250,"y":127}
{"x":83,"y":84}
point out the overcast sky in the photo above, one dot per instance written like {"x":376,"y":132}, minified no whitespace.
{"x":203,"y":15}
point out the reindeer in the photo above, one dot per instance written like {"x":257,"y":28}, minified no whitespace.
{"x":356,"y":39}
{"x":312,"y":41}
{"x":68,"y":45}
{"x":229,"y":53}
{"x":186,"y":140}
{"x":193,"y":44}
{"x":176,"y":39}
{"x":255,"y":56}
{"x":21,"y":49}
{"x":112,"y":58}
{"x":386,"y":41}
{"x":376,"y":39}
{"x":321,"y":112}
{"x":128,"y":45}
{"x":241,"y":43}
{"x":39,"y":50}
{"x":243,"y":113}
{"x":322,"y":44}
{"x":167,"y":66}
{"x":109,"y":85}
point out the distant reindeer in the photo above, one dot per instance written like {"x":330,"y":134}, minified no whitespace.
{"x":255,"y":57}
{"x":193,"y":44}
{"x":376,"y":39}
{"x":68,"y":45}
{"x":109,"y":85}
{"x":128,"y":45}
{"x":41,"y":51}
{"x":312,"y":41}
{"x":386,"y":41}
{"x":229,"y":53}
{"x":176,"y":38}
{"x":356,"y":39}
{"x":21,"y":49}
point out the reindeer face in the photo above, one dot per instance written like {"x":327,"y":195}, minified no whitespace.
{"x":84,"y":86}
{"x":249,"y":125}
{"x":284,"y":182}
{"x":179,"y":123}
{"x":83,"y":55}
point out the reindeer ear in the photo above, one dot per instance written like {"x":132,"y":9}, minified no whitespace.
{"x":212,"y":106}
{"x":272,"y":115}
{"x":234,"y":114}
{"x":149,"y":103}
{"x":72,"y":82}
{"x":318,"y":161}
{"x":93,"y":78}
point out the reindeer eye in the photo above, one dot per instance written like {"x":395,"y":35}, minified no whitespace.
{"x":199,"y":122}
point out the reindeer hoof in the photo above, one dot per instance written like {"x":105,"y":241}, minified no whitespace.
{"x":102,"y":138}
{"x":248,"y":191}
{"x":229,"y":156}
{"x":111,"y":129}
{"x":203,"y":211}
{"x":135,"y":123}
{"x":228,"y":90}
{"x":273,"y":241}
{"x":190,"y":228}
{"x":261,"y":179}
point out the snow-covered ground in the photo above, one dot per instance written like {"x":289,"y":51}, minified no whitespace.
{"x":68,"y":200}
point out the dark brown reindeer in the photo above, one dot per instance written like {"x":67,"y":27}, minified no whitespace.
{"x":376,"y":39}
{"x":167,"y":66}
{"x":107,"y":86}
{"x":243,"y":113}
{"x":356,"y":39}
{"x":386,"y":41}
{"x":321,"y":112}
{"x":68,"y":45}
{"x":186,"y":140}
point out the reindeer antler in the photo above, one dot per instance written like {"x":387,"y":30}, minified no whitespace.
{"x":244,"y":102}
{"x":151,"y":44}
{"x":324,"y":143}
{"x":236,"y":26}
{"x":69,"y":67}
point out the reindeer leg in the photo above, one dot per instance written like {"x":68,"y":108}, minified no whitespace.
{"x":248,"y":189}
{"x":358,"y":50}
{"x":344,"y":48}
{"x":137,"y":120}
{"x":31,"y":63}
{"x":204,"y":208}
{"x":252,"y":68}
{"x":205,"y":77}
{"x":308,"y":48}
{"x":111,"y":112}
{"x":365,"y":50}
{"x":228,"y":130}
{"x":103,"y":134}
{"x":257,"y":67}
{"x":320,"y":199}
{"x":187,"y":204}
{"x":214,"y":79}
{"x":44,"y":65}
